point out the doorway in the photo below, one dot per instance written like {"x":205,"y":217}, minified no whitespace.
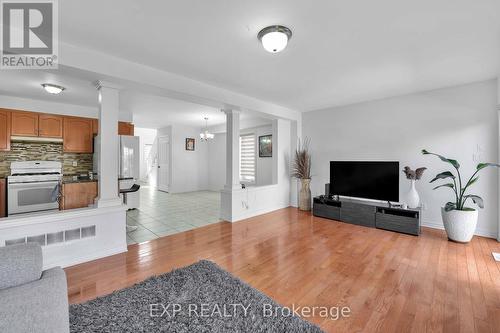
{"x":163,"y":163}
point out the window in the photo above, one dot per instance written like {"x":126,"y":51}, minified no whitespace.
{"x":247,"y":158}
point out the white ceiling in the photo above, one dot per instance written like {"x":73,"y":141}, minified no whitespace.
{"x":155,"y":112}
{"x":341,"y":51}
{"x":147,"y":110}
{"x":27,"y":83}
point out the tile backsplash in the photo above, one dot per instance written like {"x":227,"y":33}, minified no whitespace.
{"x":44,"y":151}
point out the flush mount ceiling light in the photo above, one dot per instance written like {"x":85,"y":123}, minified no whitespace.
{"x":53,"y":88}
{"x":274,"y":38}
{"x":206,"y":135}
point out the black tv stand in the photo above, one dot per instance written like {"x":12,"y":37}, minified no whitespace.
{"x":368,"y":214}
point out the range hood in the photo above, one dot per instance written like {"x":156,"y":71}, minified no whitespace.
{"x":17,"y":138}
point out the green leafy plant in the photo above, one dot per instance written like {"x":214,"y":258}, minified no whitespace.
{"x":457,"y":185}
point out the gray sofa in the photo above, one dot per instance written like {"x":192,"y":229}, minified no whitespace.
{"x":31,"y":300}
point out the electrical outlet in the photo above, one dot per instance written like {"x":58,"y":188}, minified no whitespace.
{"x":75,"y":163}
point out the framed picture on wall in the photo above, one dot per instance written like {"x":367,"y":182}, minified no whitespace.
{"x":190,"y":144}
{"x":266,"y":146}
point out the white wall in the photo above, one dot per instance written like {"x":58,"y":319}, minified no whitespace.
{"x":217,"y":159}
{"x":255,"y":200}
{"x":453,"y":122}
{"x":217,"y":162}
{"x":146,"y":136}
{"x":188,"y":169}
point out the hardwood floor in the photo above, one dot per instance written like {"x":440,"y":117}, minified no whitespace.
{"x":391,"y":282}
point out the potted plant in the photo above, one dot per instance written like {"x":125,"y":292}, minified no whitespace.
{"x":302,"y":170}
{"x":459,"y":220}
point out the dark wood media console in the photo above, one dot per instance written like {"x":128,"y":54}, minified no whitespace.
{"x":369,"y":214}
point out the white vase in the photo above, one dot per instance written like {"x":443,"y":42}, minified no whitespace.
{"x":412,"y":197}
{"x":460,"y":224}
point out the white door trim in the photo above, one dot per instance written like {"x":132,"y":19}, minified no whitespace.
{"x":163,"y":164}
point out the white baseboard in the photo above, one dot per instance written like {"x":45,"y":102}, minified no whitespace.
{"x":256,"y":213}
{"x":478,"y":232}
{"x":72,"y":260}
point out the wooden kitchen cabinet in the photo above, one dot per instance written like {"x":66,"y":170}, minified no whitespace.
{"x":3,"y":198}
{"x":77,"y":195}
{"x":95,"y":126}
{"x":125,"y":128}
{"x":4,"y":130}
{"x":50,"y":126}
{"x":77,"y":135}
{"x":24,"y":123}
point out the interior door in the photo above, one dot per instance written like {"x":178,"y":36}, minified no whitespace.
{"x":163,"y":163}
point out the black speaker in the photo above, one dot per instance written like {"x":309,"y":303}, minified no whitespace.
{"x":327,"y":189}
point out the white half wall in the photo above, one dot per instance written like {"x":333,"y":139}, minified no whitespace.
{"x":459,"y":122}
{"x":108,"y":238}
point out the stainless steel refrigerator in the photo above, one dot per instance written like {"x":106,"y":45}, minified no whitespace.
{"x":128,"y":165}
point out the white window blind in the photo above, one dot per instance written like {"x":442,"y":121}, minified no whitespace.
{"x":247,"y":158}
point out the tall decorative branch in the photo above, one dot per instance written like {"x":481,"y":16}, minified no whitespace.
{"x":301,"y":168}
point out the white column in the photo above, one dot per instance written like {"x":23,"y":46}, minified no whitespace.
{"x":294,"y":184}
{"x":232,"y":149}
{"x":108,"y":144}
{"x":275,"y":151}
{"x":498,"y":122}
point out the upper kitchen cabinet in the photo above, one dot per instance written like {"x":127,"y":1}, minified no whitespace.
{"x":95,"y":126}
{"x":125,"y":128}
{"x":4,"y":130}
{"x":50,"y":126}
{"x":77,"y":135}
{"x":24,"y":123}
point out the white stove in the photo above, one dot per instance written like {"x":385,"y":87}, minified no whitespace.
{"x":33,"y":186}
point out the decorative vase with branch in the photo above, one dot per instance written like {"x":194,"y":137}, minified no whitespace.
{"x":412,"y":197}
{"x":459,"y":220}
{"x":302,"y":170}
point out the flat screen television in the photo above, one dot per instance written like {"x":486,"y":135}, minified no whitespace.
{"x":369,"y":180}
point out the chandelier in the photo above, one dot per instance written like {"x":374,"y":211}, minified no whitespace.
{"x":206,"y":135}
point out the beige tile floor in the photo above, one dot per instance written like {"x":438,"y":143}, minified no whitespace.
{"x":161,"y":214}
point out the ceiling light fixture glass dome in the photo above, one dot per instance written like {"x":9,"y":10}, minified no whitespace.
{"x":53,"y":88}
{"x":274,"y":38}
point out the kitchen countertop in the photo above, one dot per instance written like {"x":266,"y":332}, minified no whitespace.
{"x":76,"y":179}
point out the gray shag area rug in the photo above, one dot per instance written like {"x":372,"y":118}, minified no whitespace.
{"x":199,"y":298}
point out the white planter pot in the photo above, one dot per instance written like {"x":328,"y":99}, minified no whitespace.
{"x":460,"y":224}
{"x":412,"y":197}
